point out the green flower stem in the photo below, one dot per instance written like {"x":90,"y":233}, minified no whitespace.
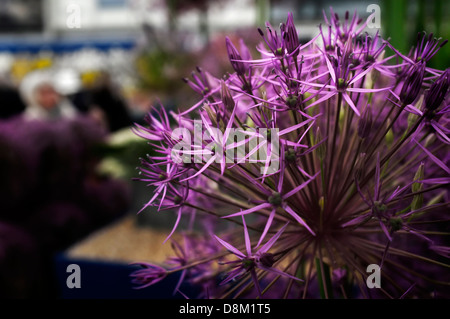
{"x":324,"y":279}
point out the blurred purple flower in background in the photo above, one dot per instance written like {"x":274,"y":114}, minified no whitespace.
{"x":51,"y":196}
{"x":368,"y":184}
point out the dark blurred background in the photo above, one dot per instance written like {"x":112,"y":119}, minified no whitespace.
{"x":76,"y":74}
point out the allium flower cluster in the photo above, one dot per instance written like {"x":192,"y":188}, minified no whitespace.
{"x":343,"y":163}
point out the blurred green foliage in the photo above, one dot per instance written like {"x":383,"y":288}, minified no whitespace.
{"x":120,"y":154}
{"x":402,"y":20}
{"x":161,"y":70}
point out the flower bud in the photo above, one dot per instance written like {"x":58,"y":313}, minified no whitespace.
{"x":248,"y":263}
{"x":290,"y":155}
{"x":413,"y":83}
{"x":235,"y":58}
{"x":417,"y":201}
{"x":275,"y":199}
{"x":211,"y":114}
{"x":227,"y":99}
{"x":417,"y":177}
{"x":292,"y":101}
{"x":389,"y":137}
{"x":437,"y":92}
{"x":290,"y":36}
{"x":396,"y":224}
{"x":148,"y":275}
{"x":267,"y":259}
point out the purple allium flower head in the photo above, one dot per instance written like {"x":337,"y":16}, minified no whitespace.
{"x":202,"y":85}
{"x":248,"y":262}
{"x":427,"y":47}
{"x":272,"y":40}
{"x":308,"y":164}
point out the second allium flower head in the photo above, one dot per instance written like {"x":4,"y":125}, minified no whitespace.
{"x":361,"y":177}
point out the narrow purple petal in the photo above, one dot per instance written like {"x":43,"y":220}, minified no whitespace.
{"x":350,"y":102}
{"x":256,"y":282}
{"x":293,"y":127}
{"x":200,"y":170}
{"x":232,"y":275}
{"x":266,"y":228}
{"x":300,"y":187}
{"x":437,"y":180}
{"x":175,"y":225}
{"x":385,"y":230}
{"x":248,"y":244}
{"x":434,"y":158}
{"x":437,"y":127}
{"x":272,"y":240}
{"x":230,"y":247}
{"x":250,"y":210}
{"x":363,"y":90}
{"x":299,"y":219}
{"x":330,"y":68}
{"x":279,"y":272}
{"x":357,"y":220}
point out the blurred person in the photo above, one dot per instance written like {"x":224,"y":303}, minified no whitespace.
{"x":101,"y":100}
{"x":11,"y":103}
{"x":43,"y":102}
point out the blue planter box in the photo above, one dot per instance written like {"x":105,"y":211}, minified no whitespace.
{"x":110,"y":280}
